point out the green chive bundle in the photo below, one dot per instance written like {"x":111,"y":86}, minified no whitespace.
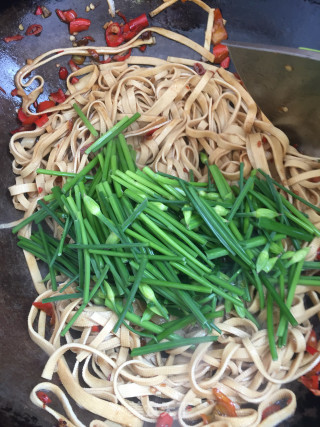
{"x":181,"y":248}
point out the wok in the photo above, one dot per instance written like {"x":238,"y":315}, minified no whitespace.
{"x":290,"y":23}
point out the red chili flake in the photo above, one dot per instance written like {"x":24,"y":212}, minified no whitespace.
{"x":13,"y":38}
{"x":275,"y":407}
{"x":225,"y":63}
{"x":146,"y":35}
{"x":42,"y":120}
{"x":121,"y":15}
{"x":63,"y":73}
{"x":318,"y":254}
{"x":95,"y":328}
{"x":91,"y":39}
{"x":224,"y":405}
{"x":205,"y":419}
{"x":199,"y":68}
{"x":143,"y":48}
{"x":73,"y":65}
{"x":70,"y":126}
{"x":94,"y":55}
{"x":47,"y":308}
{"x":58,"y":96}
{"x":2,"y":90}
{"x":38,"y":11}
{"x":14,"y":92}
{"x":74,"y":80}
{"x":45,"y":105}
{"x":78,"y":25}
{"x":188,"y":87}
{"x":264,"y":139}
{"x":185,"y":170}
{"x":106,"y":61}
{"x":164,"y":420}
{"x":40,"y":190}
{"x":259,"y":143}
{"x":34,"y":30}
{"x":45,"y":399}
{"x":122,"y":57}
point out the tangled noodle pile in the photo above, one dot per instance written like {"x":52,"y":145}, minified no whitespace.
{"x":182,"y":114}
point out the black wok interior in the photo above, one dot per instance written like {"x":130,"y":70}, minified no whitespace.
{"x":291,"y":23}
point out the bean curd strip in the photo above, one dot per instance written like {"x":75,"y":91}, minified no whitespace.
{"x":182,"y":114}
{"x":241,"y":360}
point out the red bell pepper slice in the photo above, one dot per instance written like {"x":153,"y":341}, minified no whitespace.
{"x":220,"y":52}
{"x":78,"y":25}
{"x":224,"y":405}
{"x":13,"y":38}
{"x":45,"y":105}
{"x":63,"y":73}
{"x":164,"y":420}
{"x":34,"y":30}
{"x":219,"y":33}
{"x":58,"y":96}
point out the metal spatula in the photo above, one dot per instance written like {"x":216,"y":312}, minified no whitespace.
{"x":285,"y":83}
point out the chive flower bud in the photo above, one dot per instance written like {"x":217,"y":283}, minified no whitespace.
{"x":262,"y":259}
{"x":270,"y":264}
{"x":220,"y":210}
{"x":298,"y":256}
{"x":92,"y":205}
{"x":265,"y":213}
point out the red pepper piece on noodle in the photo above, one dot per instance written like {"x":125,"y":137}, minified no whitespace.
{"x":24,"y":119}
{"x":46,"y":307}
{"x":34,"y":30}
{"x":14,"y":92}
{"x":122,"y":57}
{"x":58,"y":97}
{"x":275,"y":407}
{"x":74,"y":80}
{"x":164,"y":420}
{"x":13,"y":38}
{"x":224,"y":405}
{"x":73,"y":65}
{"x":45,"y":399}
{"x":199,"y":68}
{"x":45,"y":105}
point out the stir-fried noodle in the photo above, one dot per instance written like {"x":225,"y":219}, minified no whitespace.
{"x":182,"y":114}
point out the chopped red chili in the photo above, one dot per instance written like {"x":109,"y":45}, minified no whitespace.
{"x":88,"y":38}
{"x":312,"y":343}
{"x":226,"y":62}
{"x":78,"y":25}
{"x":43,"y":397}
{"x":34,"y":30}
{"x":139,"y":23}
{"x":219,"y":32}
{"x":220,"y":52}
{"x":74,"y":80}
{"x":40,"y":190}
{"x":143,"y":48}
{"x":38,"y":11}
{"x":47,"y":307}
{"x":66,"y":15}
{"x":146,"y":35}
{"x":45,"y":105}
{"x":14,"y":92}
{"x":121,"y":15}
{"x":2,"y":90}
{"x":114,"y":40}
{"x":73,"y":65}
{"x":199,"y":68}
{"x":94,"y":54}
{"x":224,"y":405}
{"x":63,"y":73}
{"x":24,"y":119}
{"x":122,"y":57}
{"x":275,"y":407}
{"x":13,"y":38}
{"x":164,"y":420}
{"x":95,"y":328}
